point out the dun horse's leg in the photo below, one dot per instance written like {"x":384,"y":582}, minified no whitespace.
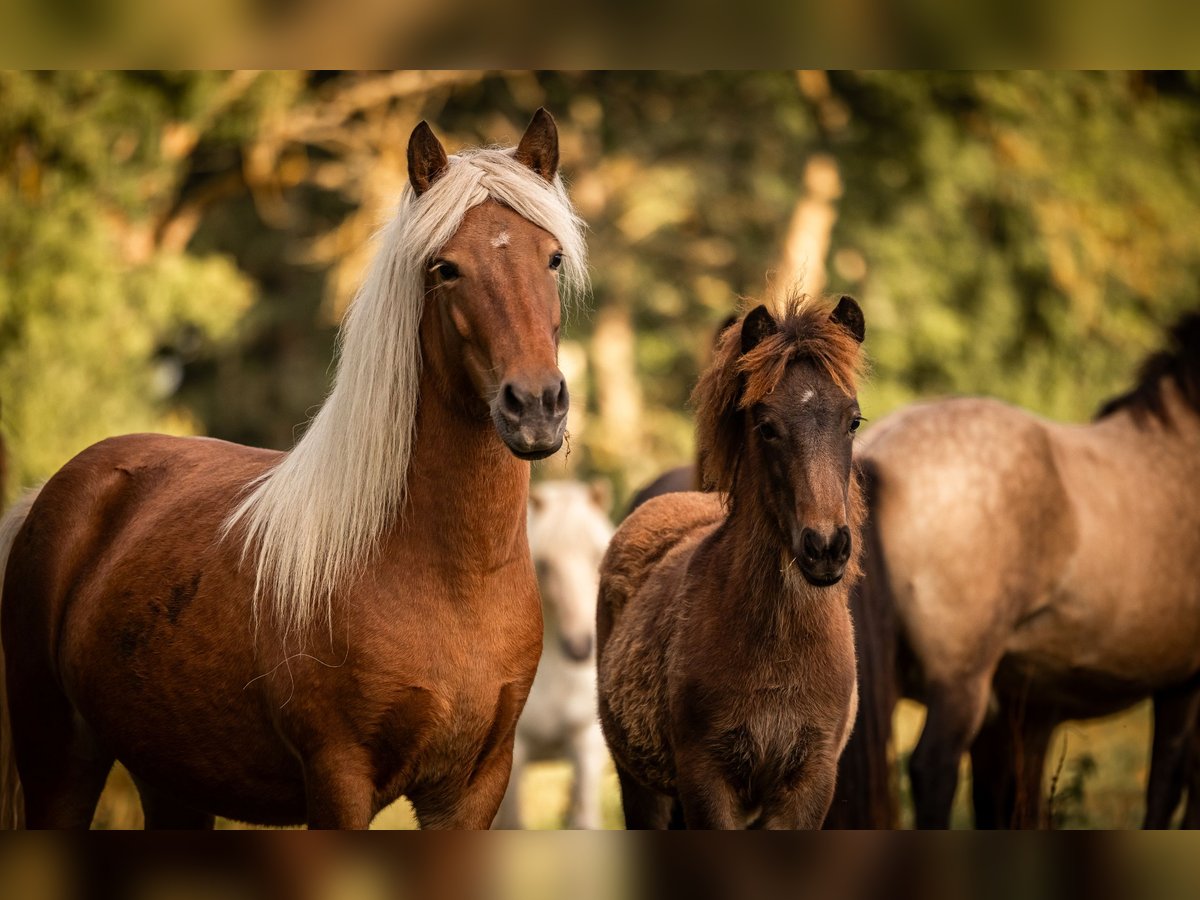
{"x":163,"y":813}
{"x":1175,"y":721}
{"x":955,"y":712}
{"x":643,"y":807}
{"x":1008,"y":760}
{"x":587,"y":758}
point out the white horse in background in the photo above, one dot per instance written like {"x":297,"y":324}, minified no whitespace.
{"x":569,"y":531}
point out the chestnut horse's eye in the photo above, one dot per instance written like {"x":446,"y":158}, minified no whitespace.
{"x":854,"y":423}
{"x":444,"y":270}
{"x":555,"y":261}
{"x":768,"y":431}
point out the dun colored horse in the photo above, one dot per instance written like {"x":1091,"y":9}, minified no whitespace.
{"x":304,"y":637}
{"x":726,"y":653}
{"x":569,"y":531}
{"x":1031,"y":572}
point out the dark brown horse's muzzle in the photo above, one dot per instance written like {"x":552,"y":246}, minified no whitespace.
{"x":531,"y":415}
{"x":822,"y":558}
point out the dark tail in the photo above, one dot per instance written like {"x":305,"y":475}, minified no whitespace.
{"x":866,"y":795}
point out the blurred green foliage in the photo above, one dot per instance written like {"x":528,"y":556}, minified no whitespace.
{"x":175,"y":249}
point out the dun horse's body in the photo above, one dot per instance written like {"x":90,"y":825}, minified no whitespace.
{"x":569,"y":531}
{"x":1039,"y":572}
{"x":726,"y":654}
{"x":303,"y":637}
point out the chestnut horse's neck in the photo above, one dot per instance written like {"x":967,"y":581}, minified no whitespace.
{"x":466,"y":490}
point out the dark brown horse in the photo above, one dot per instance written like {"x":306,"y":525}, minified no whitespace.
{"x":304,"y":637}
{"x":1021,"y":573}
{"x":725,"y":649}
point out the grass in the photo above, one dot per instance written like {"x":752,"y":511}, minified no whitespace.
{"x":1101,"y":769}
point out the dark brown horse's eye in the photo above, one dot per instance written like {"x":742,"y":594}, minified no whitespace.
{"x":555,"y":260}
{"x":768,"y":431}
{"x":854,"y":423}
{"x":444,"y":270}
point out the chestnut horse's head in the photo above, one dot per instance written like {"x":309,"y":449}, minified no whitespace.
{"x":492,"y":301}
{"x":777,"y":415}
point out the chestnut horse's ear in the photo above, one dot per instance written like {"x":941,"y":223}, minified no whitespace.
{"x":539,"y":145}
{"x":757,"y":325}
{"x":849,"y":315}
{"x":427,"y":160}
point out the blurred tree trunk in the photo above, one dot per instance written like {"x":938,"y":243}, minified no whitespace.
{"x":806,"y":245}
{"x":617,"y":439}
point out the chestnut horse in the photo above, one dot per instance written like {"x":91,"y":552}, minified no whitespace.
{"x":1026,"y":572}
{"x":305,"y":637}
{"x":725,"y":647}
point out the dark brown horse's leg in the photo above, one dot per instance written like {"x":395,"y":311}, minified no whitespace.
{"x":708,"y":800}
{"x":955,"y":712}
{"x":163,"y":813}
{"x":1008,"y":760}
{"x":643,"y":808}
{"x":1175,"y":721}
{"x":1191,"y":812}
{"x":805,"y":806}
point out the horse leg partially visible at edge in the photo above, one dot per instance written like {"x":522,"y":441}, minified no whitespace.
{"x":1175,"y":721}
{"x":955,"y":713}
{"x":1008,"y":760}
{"x":643,"y":807}
{"x":587,"y":753}
{"x":509,"y":816}
{"x":161,"y":812}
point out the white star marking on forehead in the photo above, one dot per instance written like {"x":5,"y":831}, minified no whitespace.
{"x":807,"y":395}
{"x":500,"y":240}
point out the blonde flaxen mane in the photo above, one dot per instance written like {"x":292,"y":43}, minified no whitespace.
{"x":313,"y":521}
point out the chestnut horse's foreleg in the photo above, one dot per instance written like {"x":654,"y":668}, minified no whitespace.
{"x":510,"y":816}
{"x":61,"y":766}
{"x":339,"y":790}
{"x":643,"y":807}
{"x":955,"y":713}
{"x":163,"y":813}
{"x":1175,"y":720}
{"x":473,"y":806}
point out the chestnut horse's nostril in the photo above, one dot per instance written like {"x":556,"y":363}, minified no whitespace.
{"x":513,"y":402}
{"x":561,"y":399}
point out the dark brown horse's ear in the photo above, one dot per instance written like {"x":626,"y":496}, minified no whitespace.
{"x":539,"y":145}
{"x":849,"y":315}
{"x":757,"y":325}
{"x":427,"y":160}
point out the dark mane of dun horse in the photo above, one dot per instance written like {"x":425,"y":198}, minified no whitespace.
{"x":304,"y":637}
{"x":1115,"y":516}
{"x":724,"y":647}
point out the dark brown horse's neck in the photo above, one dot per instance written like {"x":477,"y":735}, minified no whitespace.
{"x":467,"y":493}
{"x":767,"y":591}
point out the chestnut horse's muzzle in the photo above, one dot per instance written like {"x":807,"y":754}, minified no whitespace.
{"x":531,"y":415}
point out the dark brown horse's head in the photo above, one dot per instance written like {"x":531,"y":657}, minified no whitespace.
{"x":777,"y":415}
{"x":494,"y":287}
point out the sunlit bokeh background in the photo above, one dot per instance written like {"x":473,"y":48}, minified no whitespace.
{"x":176,"y":250}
